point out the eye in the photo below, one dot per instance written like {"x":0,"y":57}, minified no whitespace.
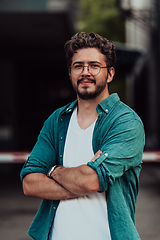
{"x":95,"y":66}
{"x":78,"y":66}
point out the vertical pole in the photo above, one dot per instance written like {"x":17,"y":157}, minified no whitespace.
{"x":153,"y":100}
{"x":158,"y":65}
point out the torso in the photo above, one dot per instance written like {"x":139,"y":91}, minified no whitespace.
{"x":85,"y":217}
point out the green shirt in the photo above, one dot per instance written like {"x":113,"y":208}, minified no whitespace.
{"x":119,"y":133}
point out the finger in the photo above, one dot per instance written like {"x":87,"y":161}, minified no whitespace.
{"x":97,"y":154}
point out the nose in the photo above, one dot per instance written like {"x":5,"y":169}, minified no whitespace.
{"x":85,"y":70}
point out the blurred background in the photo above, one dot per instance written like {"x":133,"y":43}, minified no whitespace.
{"x":34,"y":82}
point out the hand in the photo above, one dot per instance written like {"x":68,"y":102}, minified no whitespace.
{"x":80,"y":181}
{"x":97,"y":154}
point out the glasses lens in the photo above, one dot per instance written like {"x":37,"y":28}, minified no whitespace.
{"x":94,"y":69}
{"x":77,"y":69}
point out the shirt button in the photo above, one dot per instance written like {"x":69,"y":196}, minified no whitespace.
{"x":61,"y":119}
{"x":61,"y":137}
{"x":106,"y":110}
{"x":61,"y":155}
{"x":106,"y":154}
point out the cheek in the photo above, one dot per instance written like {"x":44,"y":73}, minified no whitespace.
{"x":73,"y":78}
{"x":73,"y":81}
{"x":102,"y":78}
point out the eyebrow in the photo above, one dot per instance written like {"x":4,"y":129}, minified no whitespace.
{"x":88,"y":62}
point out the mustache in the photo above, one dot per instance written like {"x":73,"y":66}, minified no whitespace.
{"x":89,"y":79}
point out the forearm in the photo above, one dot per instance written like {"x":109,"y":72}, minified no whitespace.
{"x":39,"y":185}
{"x":81,"y":180}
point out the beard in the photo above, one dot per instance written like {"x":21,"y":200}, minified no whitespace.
{"x":85,"y":93}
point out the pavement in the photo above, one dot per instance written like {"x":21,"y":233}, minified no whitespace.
{"x":148,"y":203}
{"x":17,"y":211}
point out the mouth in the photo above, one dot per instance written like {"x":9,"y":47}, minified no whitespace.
{"x":86,"y":81}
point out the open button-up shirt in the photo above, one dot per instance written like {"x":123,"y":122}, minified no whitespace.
{"x":119,"y":134}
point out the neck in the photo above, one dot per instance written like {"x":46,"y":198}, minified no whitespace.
{"x":86,"y":107}
{"x":87,"y":114}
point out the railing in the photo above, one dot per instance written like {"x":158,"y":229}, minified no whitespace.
{"x":13,"y":157}
{"x":21,"y":157}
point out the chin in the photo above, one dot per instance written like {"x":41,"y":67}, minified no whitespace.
{"x":87,"y":96}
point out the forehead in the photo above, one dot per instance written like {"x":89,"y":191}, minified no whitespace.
{"x":88,"y":55}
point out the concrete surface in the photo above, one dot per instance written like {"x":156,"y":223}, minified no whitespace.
{"x":17,"y":210}
{"x":148,"y":203}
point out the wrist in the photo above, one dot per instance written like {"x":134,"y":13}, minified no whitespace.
{"x":51,"y":171}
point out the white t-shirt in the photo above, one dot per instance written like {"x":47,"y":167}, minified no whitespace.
{"x":83,"y":218}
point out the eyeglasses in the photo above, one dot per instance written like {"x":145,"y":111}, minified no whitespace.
{"x":93,"y":68}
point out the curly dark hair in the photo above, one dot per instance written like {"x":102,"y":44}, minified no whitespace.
{"x":91,"y":40}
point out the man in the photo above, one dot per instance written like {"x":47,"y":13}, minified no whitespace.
{"x":87,"y":159}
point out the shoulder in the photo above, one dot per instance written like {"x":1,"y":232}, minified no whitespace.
{"x":129,"y":117}
{"x":53,"y":119}
{"x":114,"y":109}
{"x":122,"y":119}
{"x":122,"y":112}
{"x":62,"y":110}
{"x":127,"y":124}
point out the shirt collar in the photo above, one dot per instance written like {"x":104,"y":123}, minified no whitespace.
{"x":70,"y":107}
{"x":108,"y":103}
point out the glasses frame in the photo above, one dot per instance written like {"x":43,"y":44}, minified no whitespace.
{"x":88,"y":70}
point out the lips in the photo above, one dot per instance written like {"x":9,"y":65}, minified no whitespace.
{"x":86,"y":81}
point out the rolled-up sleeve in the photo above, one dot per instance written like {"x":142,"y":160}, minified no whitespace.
{"x":43,"y":155}
{"x":122,"y":149}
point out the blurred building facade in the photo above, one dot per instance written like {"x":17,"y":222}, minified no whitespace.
{"x":143,"y":33}
{"x":33,"y":74}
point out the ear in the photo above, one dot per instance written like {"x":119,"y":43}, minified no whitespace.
{"x":111,"y":73}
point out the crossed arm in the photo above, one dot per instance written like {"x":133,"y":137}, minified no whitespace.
{"x":66,"y":183}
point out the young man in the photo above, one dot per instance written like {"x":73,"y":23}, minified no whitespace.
{"x":87,"y":159}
